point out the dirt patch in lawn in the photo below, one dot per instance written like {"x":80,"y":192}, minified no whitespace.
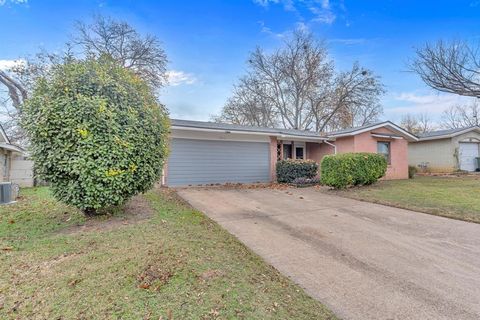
{"x":160,"y":268}
{"x":135,"y":210}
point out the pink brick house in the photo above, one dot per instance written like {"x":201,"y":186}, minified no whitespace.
{"x":386,"y":138}
{"x":211,"y":153}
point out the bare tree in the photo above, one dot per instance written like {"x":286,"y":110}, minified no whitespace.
{"x":354,"y":100}
{"x":247,"y":107}
{"x":287,"y":78}
{"x":296,"y":87}
{"x":452,"y":67}
{"x":417,"y":124}
{"x":461,"y":116}
{"x":104,"y":36}
{"x":119,"y":40}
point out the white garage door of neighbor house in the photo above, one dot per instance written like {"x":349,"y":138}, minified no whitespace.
{"x":195,"y":162}
{"x":468,"y":153}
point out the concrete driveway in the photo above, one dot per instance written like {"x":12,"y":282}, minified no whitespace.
{"x":364,"y":261}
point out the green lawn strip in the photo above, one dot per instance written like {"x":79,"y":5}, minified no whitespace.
{"x":453,"y":197}
{"x":177,"y":262}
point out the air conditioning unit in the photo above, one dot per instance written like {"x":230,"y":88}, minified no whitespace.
{"x":5,"y":192}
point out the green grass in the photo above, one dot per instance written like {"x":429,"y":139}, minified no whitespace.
{"x":455,"y":197}
{"x":176,"y":264}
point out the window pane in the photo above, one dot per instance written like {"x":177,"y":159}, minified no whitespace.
{"x":299,"y":153}
{"x":287,"y":151}
{"x":384,"y":149}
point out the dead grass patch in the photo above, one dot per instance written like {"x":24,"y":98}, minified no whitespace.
{"x":134,"y":211}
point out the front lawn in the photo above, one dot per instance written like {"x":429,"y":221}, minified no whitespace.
{"x":157,"y":258}
{"x":453,"y":196}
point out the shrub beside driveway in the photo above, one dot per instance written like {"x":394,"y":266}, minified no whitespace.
{"x":156,"y":258}
{"x":455,"y":197}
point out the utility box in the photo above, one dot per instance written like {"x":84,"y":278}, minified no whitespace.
{"x":5,"y":192}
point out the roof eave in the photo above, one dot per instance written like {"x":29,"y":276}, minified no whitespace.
{"x":450,"y":135}
{"x":248,"y":132}
{"x":408,"y":136}
{"x":12,"y":147}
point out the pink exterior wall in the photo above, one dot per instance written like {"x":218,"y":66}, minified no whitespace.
{"x":273,"y":158}
{"x":365,"y":142}
{"x":345,"y":145}
{"x":316,"y":151}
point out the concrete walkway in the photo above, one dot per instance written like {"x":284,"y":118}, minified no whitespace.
{"x":364,"y":261}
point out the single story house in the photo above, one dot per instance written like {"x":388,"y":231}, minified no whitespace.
{"x":14,"y":165}
{"x":446,"y":150}
{"x":210,"y":153}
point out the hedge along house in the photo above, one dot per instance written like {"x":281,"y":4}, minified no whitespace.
{"x":446,"y":150}
{"x":210,"y":153}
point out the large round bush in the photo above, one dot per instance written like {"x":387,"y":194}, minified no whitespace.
{"x":97,"y":133}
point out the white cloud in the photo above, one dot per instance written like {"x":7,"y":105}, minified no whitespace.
{"x":302,"y":26}
{"x":267,"y":30}
{"x":3,"y":2}
{"x":323,"y":13}
{"x":176,"y":78}
{"x":431,"y":103}
{"x":8,"y":64}
{"x":320,"y":11}
{"x":265,"y":3}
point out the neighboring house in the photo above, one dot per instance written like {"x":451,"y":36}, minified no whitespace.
{"x":210,"y":153}
{"x":446,"y":150}
{"x":14,"y":166}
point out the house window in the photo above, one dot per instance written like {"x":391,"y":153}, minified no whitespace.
{"x":299,"y":152}
{"x":287,"y":151}
{"x":383,"y":148}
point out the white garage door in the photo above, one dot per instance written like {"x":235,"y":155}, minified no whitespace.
{"x":194,"y":162}
{"x":468,"y":153}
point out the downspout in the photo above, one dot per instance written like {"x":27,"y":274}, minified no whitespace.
{"x":332,"y":145}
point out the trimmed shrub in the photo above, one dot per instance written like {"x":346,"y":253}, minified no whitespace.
{"x":289,"y":170}
{"x":343,"y":170}
{"x":412,"y":171}
{"x":97,"y":133}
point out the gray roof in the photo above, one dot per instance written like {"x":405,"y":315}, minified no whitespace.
{"x":236,"y":127}
{"x":353,"y":129}
{"x":446,"y":132}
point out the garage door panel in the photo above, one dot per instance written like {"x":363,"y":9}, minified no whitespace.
{"x":468,"y":153}
{"x":207,"y":161}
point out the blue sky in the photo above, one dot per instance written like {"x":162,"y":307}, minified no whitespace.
{"x":208,"y":42}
